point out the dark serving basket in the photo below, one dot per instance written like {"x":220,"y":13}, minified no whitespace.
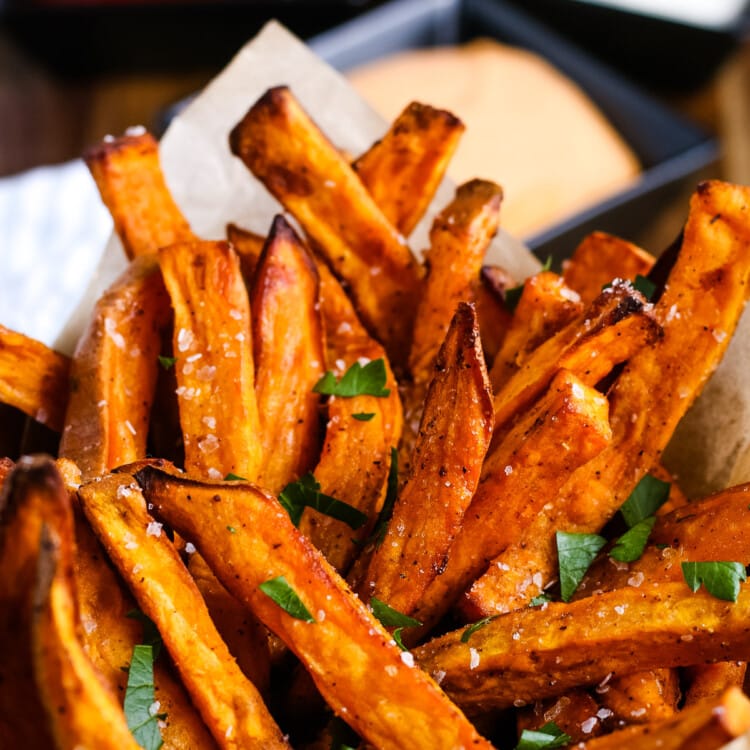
{"x":672,"y":151}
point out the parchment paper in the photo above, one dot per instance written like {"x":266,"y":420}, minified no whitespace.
{"x":212,"y":187}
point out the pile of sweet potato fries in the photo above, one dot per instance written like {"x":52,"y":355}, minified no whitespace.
{"x":309,"y":492}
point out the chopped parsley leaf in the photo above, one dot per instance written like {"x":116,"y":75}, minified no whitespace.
{"x":356,"y":381}
{"x":645,"y":499}
{"x":629,"y":547}
{"x":575,"y":554}
{"x":305,"y":492}
{"x":721,"y":579}
{"x":140,"y":706}
{"x":279,"y":590}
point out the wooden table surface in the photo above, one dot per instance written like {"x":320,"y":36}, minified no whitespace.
{"x":46,"y":119}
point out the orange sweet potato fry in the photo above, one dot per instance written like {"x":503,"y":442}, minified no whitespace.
{"x":708,"y":725}
{"x":533,"y":653}
{"x":214,"y":368}
{"x":229,"y":703}
{"x":459,"y":238}
{"x":709,"y":681}
{"x":494,"y":316}
{"x":248,"y":247}
{"x":547,"y":304}
{"x":33,"y":378}
{"x":450,"y":448}
{"x":114,"y":372}
{"x":615,"y":326}
{"x":248,"y":540}
{"x":599,"y":259}
{"x":642,"y":697}
{"x":82,"y":709}
{"x":132,"y":186}
{"x":403,"y":170}
{"x":576,"y":713}
{"x":283,"y":148}
{"x":566,"y":428}
{"x":355,"y":458}
{"x":288,"y":352}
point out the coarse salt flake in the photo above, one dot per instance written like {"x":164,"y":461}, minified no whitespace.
{"x":407,"y":658}
{"x":473,"y":658}
{"x":154,"y":529}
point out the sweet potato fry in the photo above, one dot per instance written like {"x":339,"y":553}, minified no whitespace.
{"x":459,"y":238}
{"x":214,"y":356}
{"x":707,"y":725}
{"x":709,"y":681}
{"x":450,"y":449}
{"x":248,"y":247}
{"x":283,"y":148}
{"x":83,"y":710}
{"x":493,"y":313}
{"x":248,"y":540}
{"x":576,"y":713}
{"x":32,"y":495}
{"x":114,"y":371}
{"x":599,"y":259}
{"x":33,"y":378}
{"x":359,"y":479}
{"x":546,"y":306}
{"x":229,"y":703}
{"x":614,"y":327}
{"x":403,"y":170}
{"x":568,"y":645}
{"x":288,"y":352}
{"x":132,"y":187}
{"x":562,"y":431}
{"x":642,"y":697}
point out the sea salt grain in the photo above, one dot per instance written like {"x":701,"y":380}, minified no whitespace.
{"x":154,"y":529}
{"x":473,"y":658}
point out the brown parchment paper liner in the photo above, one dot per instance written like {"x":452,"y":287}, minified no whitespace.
{"x":212,"y":187}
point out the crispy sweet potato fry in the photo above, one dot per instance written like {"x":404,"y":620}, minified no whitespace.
{"x":459,"y":238}
{"x":567,"y":645}
{"x":707,"y":725}
{"x":32,"y":494}
{"x":248,"y":539}
{"x":494,"y":316}
{"x":576,"y":713}
{"x":283,"y":148}
{"x":403,"y":170}
{"x":83,"y":710}
{"x":709,"y":681}
{"x":33,"y":378}
{"x":132,"y":186}
{"x":288,"y":352}
{"x":452,"y":442}
{"x":360,"y":480}
{"x":599,"y":259}
{"x":562,"y":431}
{"x":248,"y":247}
{"x":114,"y":371}
{"x":229,"y":703}
{"x":642,"y":697}
{"x":214,"y":356}
{"x":546,"y":306}
{"x":614,"y":327}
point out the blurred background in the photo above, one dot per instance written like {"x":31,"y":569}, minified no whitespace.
{"x":72,"y":71}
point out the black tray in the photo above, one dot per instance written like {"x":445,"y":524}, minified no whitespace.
{"x":672,"y":151}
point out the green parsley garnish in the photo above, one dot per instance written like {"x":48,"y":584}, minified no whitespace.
{"x":305,"y":492}
{"x":363,"y":416}
{"x":478,"y":625}
{"x":140,"y":706}
{"x":231,"y":530}
{"x":234,"y":478}
{"x":356,"y":381}
{"x":545,"y":738}
{"x":575,"y":554}
{"x":391,"y":618}
{"x":167,"y":362}
{"x":721,"y":579}
{"x":645,"y":499}
{"x":279,"y":590}
{"x":629,"y":547}
{"x":645,"y":286}
{"x":542,"y":598}
{"x":343,"y":737}
{"x":512,"y":296}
